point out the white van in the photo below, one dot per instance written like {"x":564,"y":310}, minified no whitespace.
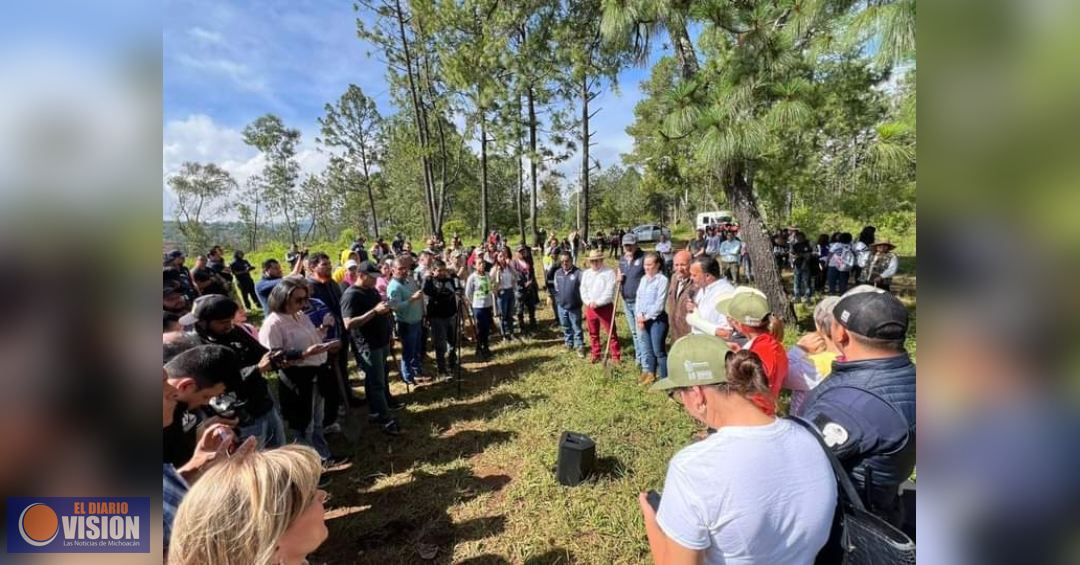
{"x":706,"y":219}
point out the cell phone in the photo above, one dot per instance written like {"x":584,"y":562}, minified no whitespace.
{"x":653,"y":498}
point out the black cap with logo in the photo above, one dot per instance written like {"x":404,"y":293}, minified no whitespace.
{"x":874,"y":314}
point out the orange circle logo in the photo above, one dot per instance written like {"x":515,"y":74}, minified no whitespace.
{"x":38,"y":524}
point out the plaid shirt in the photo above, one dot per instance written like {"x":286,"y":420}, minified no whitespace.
{"x":173,"y":489}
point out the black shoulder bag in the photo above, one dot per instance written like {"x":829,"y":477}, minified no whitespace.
{"x":858,"y":536}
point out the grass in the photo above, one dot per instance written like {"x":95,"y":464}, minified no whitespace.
{"x":473,"y":474}
{"x":471,"y":480}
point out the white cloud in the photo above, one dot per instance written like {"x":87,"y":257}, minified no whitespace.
{"x":239,"y":73}
{"x":204,"y":35}
{"x":199,"y":138}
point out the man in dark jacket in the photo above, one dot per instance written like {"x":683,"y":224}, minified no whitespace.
{"x":866,"y":408}
{"x":326,"y":289}
{"x":631,"y":270}
{"x":568,"y":297}
{"x":549,"y":283}
{"x":251,"y":403}
{"x":442,"y":307}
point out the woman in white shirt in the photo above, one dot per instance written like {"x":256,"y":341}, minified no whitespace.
{"x":759,"y":490}
{"x":504,"y":277}
{"x":651,"y":319}
{"x":298,"y":349}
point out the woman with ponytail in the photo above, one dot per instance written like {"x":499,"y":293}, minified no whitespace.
{"x":758,"y":490}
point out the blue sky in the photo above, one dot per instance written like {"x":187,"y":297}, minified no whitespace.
{"x":226,"y":63}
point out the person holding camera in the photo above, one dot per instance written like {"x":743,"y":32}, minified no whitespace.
{"x":198,"y":374}
{"x":217,"y":442}
{"x":442,"y":291}
{"x":298,"y":349}
{"x":251,"y":404}
{"x":759,"y":490}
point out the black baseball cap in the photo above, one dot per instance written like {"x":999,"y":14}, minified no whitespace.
{"x":368,"y":267}
{"x":875,"y":314}
{"x":210,"y":307}
{"x":174,"y":254}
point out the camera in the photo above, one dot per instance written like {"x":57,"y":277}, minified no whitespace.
{"x":229,"y":407}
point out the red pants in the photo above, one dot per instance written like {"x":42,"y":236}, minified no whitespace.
{"x":594,"y":318}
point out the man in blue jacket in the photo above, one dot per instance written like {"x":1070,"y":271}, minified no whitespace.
{"x":568,"y":297}
{"x":865,"y":410}
{"x":631,"y":270}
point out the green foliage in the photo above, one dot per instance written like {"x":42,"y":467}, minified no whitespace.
{"x":200,"y":190}
{"x":277,"y":183}
{"x":789,"y":92}
{"x":800,"y":95}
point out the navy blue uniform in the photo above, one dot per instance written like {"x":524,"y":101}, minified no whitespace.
{"x":865,"y":411}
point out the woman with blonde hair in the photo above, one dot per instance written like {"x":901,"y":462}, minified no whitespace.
{"x":810,"y":359}
{"x":261,"y":508}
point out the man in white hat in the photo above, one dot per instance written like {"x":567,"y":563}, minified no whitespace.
{"x":598,"y":295}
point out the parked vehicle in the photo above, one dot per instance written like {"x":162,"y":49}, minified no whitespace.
{"x":706,"y":219}
{"x":650,"y":232}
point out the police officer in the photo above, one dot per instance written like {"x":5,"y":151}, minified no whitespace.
{"x":865,"y":410}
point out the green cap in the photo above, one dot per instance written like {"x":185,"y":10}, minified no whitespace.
{"x":746,"y":305}
{"x":695,"y":360}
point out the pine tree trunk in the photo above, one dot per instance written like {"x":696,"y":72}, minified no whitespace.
{"x":583,"y":206}
{"x":740,"y":195}
{"x":418,"y":116}
{"x":684,"y":50}
{"x":370,"y":193}
{"x":521,"y":187}
{"x":483,"y":177}
{"x":532,"y":166}
{"x":255,"y":224}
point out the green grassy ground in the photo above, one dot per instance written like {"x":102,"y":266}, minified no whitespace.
{"x":471,"y":480}
{"x":472,"y":475}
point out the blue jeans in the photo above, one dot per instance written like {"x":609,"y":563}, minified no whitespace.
{"x":483,"y":327}
{"x":409,"y":334}
{"x":803,"y":287}
{"x":747,"y":268}
{"x":506,"y":311}
{"x":836,"y":280}
{"x":268,"y":428}
{"x":376,"y":389}
{"x":654,"y":354}
{"x":570,"y":320}
{"x":631,"y":320}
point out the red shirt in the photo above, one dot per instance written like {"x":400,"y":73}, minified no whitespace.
{"x":774,"y":359}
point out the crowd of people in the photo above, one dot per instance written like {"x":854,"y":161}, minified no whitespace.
{"x":727,"y":366}
{"x":827,"y":267}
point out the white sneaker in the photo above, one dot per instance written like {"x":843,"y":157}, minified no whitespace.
{"x":334,"y":428}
